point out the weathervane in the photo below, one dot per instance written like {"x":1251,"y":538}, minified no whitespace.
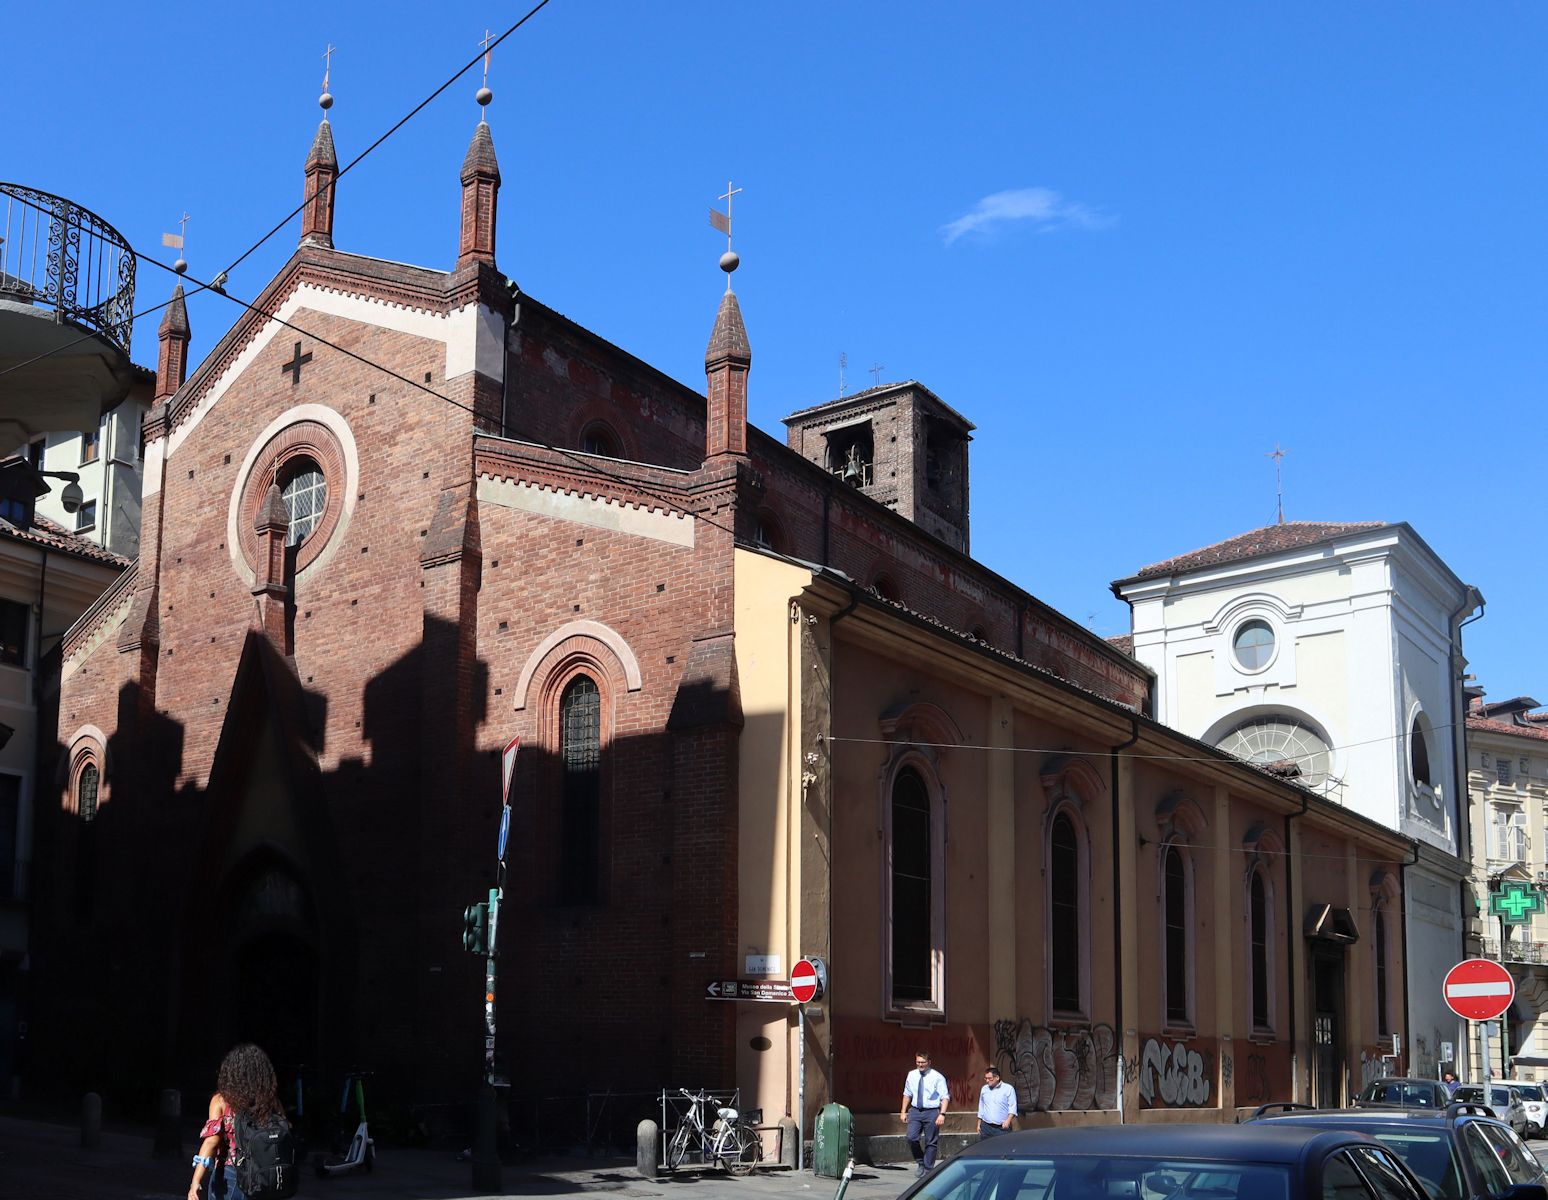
{"x":484,"y":95}
{"x":177,"y":241}
{"x":722,"y":221}
{"x":325,"y":101}
{"x":1278,"y":456}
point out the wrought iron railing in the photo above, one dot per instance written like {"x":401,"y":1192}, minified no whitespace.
{"x":1521,"y":952}
{"x":56,"y":254}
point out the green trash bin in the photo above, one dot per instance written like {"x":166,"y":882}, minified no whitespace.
{"x":833,"y":1141}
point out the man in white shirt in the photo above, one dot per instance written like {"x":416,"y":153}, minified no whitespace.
{"x":996,"y":1104}
{"x":925,"y":1097}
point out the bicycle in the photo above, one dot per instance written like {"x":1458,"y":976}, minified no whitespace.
{"x":729,"y":1140}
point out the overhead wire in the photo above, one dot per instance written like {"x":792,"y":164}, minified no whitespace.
{"x":1182,"y":758}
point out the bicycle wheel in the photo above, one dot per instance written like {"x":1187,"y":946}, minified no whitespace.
{"x":677,"y":1148}
{"x":740,"y":1149}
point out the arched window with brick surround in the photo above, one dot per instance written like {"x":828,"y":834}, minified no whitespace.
{"x":580,"y":813}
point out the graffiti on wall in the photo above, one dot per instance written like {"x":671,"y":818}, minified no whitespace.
{"x":1071,"y":1068}
{"x":1254,"y":1087}
{"x":1172,"y":1076}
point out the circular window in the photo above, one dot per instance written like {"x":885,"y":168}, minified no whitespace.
{"x":1253,"y":645}
{"x":1282,"y":741}
{"x":305,"y":493}
{"x":307,"y":459}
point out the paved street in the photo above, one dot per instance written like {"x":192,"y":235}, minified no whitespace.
{"x":39,"y":1160}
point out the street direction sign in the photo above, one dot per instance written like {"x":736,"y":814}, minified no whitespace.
{"x":1478,"y":989}
{"x":505,"y":831}
{"x":804,"y":981}
{"x":508,"y":767}
{"x":757,"y":991}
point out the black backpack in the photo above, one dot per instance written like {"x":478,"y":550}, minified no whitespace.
{"x":265,"y":1158}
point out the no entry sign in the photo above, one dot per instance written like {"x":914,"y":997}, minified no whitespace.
{"x":1478,"y":989}
{"x":804,"y":981}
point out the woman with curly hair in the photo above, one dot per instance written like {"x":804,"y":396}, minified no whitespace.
{"x":244,"y":1086}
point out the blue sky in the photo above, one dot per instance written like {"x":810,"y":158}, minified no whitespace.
{"x":1136,"y":244}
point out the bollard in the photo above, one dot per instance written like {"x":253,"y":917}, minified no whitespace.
{"x":789,"y":1131}
{"x":169,"y":1117}
{"x":647,"y":1148}
{"x":486,"y":1154}
{"x":91,"y":1121}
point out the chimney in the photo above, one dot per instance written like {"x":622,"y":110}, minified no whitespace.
{"x":270,"y":589}
{"x":322,"y":172}
{"x":172,"y":357}
{"x":726,"y":363}
{"x":480,"y":189}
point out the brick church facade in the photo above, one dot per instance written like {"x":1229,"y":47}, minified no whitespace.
{"x":399,"y":516}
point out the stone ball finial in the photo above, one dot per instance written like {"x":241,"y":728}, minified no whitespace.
{"x":325,"y":101}
{"x":483,"y":96}
{"x":730,"y":261}
{"x":181,"y":265}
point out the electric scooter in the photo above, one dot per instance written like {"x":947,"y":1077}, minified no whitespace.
{"x":362,"y":1149}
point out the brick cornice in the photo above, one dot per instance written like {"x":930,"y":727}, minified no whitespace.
{"x":98,"y":615}
{"x":396,"y":284}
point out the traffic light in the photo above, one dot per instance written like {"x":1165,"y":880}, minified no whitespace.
{"x":475,"y":928}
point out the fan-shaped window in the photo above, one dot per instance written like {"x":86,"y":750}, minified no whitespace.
{"x":1253,"y":645}
{"x":1258,"y":921}
{"x":580,"y":756}
{"x":1175,"y":905}
{"x":600,"y":440}
{"x":1284,"y":743}
{"x":305,"y":493}
{"x":766,"y":532}
{"x":1419,"y":754}
{"x":1064,"y":923}
{"x":884,"y":587}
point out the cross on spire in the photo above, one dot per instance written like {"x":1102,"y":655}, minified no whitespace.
{"x":722,"y":220}
{"x":328,"y":63}
{"x":1278,"y":456}
{"x":488,"y":37}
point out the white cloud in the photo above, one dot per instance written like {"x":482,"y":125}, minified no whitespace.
{"x":1046,"y":210}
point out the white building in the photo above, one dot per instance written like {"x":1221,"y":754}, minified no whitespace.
{"x":109,"y":462}
{"x":1333,"y":651}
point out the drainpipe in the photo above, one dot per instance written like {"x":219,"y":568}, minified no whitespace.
{"x":1403,"y":933}
{"x":1471,"y":600}
{"x":1291,"y":927}
{"x":1112,"y":762}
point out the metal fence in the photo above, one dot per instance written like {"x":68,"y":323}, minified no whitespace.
{"x":1514,"y":951}
{"x":55,"y":254}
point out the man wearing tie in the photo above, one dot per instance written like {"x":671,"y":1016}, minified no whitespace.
{"x":996,"y":1104}
{"x":925,"y":1096}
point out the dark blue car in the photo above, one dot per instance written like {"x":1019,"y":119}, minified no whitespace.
{"x":1459,"y":1153}
{"x":1267,"y":1161}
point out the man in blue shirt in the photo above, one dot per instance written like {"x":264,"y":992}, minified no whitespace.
{"x":996,"y":1104}
{"x":925,"y":1096}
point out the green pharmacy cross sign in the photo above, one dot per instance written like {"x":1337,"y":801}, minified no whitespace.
{"x":1515,"y":901}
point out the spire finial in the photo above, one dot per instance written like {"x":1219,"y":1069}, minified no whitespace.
{"x":484,"y":95}
{"x":325,"y":101}
{"x":729,"y":261}
{"x":1278,"y":456}
{"x":178,"y":241}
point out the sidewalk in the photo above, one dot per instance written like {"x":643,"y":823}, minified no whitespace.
{"x":40,"y":1161}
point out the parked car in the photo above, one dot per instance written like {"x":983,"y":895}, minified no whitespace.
{"x":1502,"y":1100}
{"x":1404,"y":1093}
{"x":1536,"y":1105}
{"x":1266,"y":1161}
{"x":1458,"y":1153}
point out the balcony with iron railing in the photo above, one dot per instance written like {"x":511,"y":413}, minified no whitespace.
{"x":1516,"y":951}
{"x":66,"y":315}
